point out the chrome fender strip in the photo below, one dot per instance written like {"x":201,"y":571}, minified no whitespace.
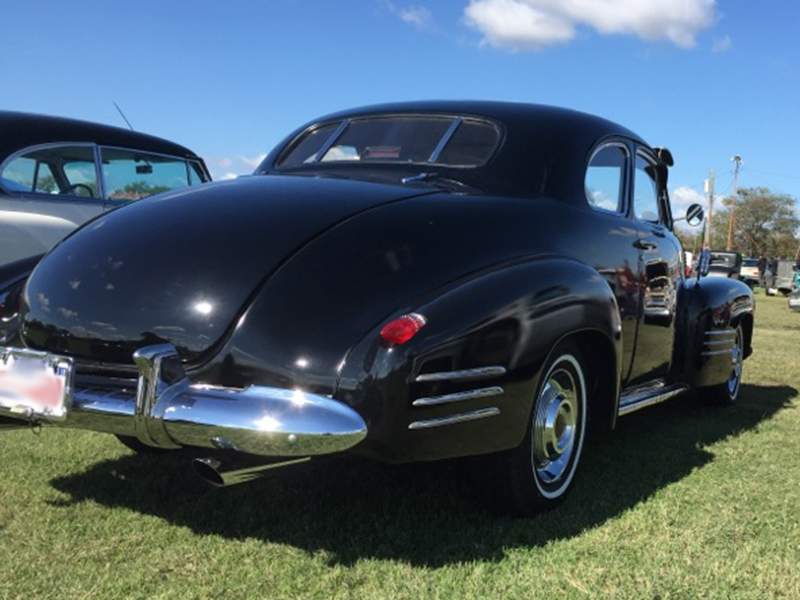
{"x":459,"y":396}
{"x":462,"y":375}
{"x":459,"y":418}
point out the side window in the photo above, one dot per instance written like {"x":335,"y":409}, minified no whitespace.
{"x":132,"y":175}
{"x":65,"y":170}
{"x":604,"y":178}
{"x":645,"y":190}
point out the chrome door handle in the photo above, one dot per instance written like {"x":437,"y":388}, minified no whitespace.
{"x":644,"y":245}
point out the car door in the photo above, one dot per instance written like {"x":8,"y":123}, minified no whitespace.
{"x":658,"y":270}
{"x":610,"y":246}
{"x":48,"y":190}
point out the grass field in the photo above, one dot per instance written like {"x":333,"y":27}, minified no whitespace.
{"x":682,"y":502}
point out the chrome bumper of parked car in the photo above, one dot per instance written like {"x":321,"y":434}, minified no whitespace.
{"x":167,"y":411}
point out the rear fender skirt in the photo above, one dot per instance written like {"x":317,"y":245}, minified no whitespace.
{"x":712,"y":308}
{"x":464,"y":385}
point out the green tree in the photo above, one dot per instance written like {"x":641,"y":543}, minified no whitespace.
{"x":765,"y":223}
{"x":145,"y":189}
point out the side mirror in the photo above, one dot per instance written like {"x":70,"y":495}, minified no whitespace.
{"x":695,"y":215}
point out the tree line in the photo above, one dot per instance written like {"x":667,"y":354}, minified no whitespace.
{"x":764,"y":224}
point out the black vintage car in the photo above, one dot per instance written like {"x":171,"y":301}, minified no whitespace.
{"x":409,"y":282}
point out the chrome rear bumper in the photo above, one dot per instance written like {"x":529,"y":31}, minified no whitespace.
{"x":167,"y":411}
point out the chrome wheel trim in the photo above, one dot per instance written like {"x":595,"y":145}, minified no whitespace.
{"x":735,"y":378}
{"x":558,"y":426}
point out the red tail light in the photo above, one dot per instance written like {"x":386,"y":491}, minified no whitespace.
{"x":403,"y":328}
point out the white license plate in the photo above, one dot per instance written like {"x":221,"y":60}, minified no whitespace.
{"x":35,"y":385}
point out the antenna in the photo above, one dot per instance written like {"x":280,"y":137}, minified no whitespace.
{"x":122,"y":114}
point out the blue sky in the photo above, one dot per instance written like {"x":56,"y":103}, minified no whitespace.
{"x":230,"y":79}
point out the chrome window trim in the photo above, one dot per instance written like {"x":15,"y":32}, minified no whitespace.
{"x":622,"y":206}
{"x":98,"y":158}
{"x":448,"y":135}
{"x":48,"y":146}
{"x":337,"y":133}
{"x":98,"y":173}
{"x":640,"y":151}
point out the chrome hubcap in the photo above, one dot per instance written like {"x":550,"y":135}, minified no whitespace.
{"x":555,"y":427}
{"x":736,"y":360}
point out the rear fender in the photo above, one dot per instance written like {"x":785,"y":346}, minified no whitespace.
{"x":506,"y":321}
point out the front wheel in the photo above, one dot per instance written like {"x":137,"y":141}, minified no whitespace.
{"x":726,"y":394}
{"x":537,"y":475}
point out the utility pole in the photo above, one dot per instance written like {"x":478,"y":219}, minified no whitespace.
{"x":709,"y":189}
{"x":737,"y":159}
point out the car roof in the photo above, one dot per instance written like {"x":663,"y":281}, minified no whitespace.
{"x":542,"y":149}
{"x":508,"y":113}
{"x":21,"y":130}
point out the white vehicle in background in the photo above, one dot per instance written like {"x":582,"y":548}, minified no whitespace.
{"x":749,"y":272}
{"x":56,"y":174}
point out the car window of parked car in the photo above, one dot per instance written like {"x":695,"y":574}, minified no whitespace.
{"x":419,"y":139}
{"x":605,"y":176}
{"x":65,"y":170}
{"x":645,"y":190}
{"x":132,"y":174}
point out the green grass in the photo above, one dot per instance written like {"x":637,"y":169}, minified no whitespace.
{"x":683,"y":501}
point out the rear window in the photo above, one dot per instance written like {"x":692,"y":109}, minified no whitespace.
{"x":723,"y":259}
{"x":426,"y":139}
{"x":750,"y":262}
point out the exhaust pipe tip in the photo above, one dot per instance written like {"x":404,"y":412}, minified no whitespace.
{"x":206,"y":469}
{"x":238,"y":470}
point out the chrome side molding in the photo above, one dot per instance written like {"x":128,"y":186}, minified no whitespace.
{"x":453,"y":419}
{"x":459,"y":396}
{"x":462,"y":375}
{"x":719,"y":342}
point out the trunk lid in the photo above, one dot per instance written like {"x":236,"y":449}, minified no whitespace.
{"x":180,"y":267}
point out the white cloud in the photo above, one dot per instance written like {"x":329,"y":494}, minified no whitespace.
{"x":722,"y":44}
{"x":534,"y":24}
{"x":416,"y":16}
{"x":680,"y":199}
{"x":226,"y":176}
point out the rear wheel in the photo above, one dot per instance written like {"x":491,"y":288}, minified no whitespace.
{"x":537,"y":475}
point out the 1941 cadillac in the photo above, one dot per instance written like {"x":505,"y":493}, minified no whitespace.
{"x":408,"y":282}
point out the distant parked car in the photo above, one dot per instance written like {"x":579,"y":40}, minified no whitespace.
{"x":784,"y":276}
{"x":725,"y":264}
{"x":794,"y":296}
{"x":749,"y":271}
{"x":57,"y":173}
